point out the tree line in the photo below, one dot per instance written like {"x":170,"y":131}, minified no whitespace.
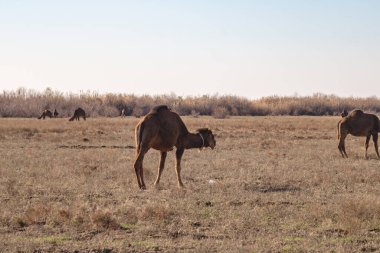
{"x":30,"y":103}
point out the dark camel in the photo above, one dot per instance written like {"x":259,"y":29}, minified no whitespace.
{"x":55,"y":113}
{"x":77,"y":114}
{"x":162,"y":129}
{"x":46,"y":113}
{"x":358,"y":123}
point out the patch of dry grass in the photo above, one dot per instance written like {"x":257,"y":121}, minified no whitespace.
{"x":273,"y":184}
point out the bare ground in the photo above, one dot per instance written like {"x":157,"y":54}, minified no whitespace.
{"x":273,"y":184}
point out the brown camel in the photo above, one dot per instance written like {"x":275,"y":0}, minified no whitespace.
{"x":358,"y":123}
{"x":46,"y":113}
{"x":77,"y":114}
{"x":162,"y":129}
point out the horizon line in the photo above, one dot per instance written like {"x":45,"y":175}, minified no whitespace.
{"x":216,"y":94}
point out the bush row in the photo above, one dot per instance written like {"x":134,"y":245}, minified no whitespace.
{"x":30,"y":103}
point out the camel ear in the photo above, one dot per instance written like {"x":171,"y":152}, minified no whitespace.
{"x":202,"y":130}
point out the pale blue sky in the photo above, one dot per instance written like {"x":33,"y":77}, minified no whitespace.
{"x":246,"y":48}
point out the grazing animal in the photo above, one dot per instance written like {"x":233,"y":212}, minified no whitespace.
{"x":123,"y":113}
{"x":358,"y":123}
{"x":77,"y":114}
{"x":46,"y":113}
{"x":162,"y":129}
{"x":55,"y":113}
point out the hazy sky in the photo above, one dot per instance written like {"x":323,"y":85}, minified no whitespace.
{"x":192,"y":47}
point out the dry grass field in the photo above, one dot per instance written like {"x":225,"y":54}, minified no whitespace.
{"x":273,"y":184}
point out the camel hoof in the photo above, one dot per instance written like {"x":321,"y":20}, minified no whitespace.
{"x":143,"y":188}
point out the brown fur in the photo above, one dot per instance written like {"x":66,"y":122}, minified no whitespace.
{"x":162,"y":129}
{"x":46,"y":113}
{"x":77,"y":114}
{"x":358,"y":123}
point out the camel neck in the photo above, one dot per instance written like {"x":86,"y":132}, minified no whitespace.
{"x":194,"y":141}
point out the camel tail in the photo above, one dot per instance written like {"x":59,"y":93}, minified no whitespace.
{"x":139,"y":133}
{"x":338,"y":130}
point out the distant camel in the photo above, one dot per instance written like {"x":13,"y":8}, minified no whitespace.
{"x":46,"y":113}
{"x":162,"y":129}
{"x":344,"y":113}
{"x":123,"y":113}
{"x":78,"y":113}
{"x":358,"y":123}
{"x":55,"y":113}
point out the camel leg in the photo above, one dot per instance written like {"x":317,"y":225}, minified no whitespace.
{"x":139,"y":169}
{"x":138,"y":165}
{"x":366,"y":145}
{"x":344,"y":150}
{"x":375,"y":138}
{"x":178,"y":155}
{"x":341,"y":152}
{"x":161,"y":166}
{"x":341,"y":146}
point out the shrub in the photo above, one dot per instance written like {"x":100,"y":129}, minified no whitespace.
{"x":104,"y":219}
{"x":29,"y":103}
{"x":220,"y":113}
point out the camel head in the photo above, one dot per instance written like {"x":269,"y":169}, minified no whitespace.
{"x":344,"y":113}
{"x":208,"y":136}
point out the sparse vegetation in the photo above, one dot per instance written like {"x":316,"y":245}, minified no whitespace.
{"x":104,"y":219}
{"x":273,"y":184}
{"x":29,"y":103}
{"x":220,"y":113}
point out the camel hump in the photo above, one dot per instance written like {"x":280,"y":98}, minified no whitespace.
{"x":159,"y":108}
{"x":356,"y":113}
{"x":155,"y":111}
